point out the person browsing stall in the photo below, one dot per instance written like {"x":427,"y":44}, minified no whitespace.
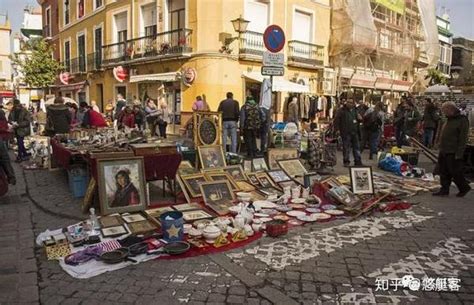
{"x":230,"y":116}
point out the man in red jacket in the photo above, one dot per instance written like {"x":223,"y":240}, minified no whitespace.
{"x":92,"y":118}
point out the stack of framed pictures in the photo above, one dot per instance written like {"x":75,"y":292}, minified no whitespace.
{"x":276,"y":154}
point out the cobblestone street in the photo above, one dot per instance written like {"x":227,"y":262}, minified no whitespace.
{"x":330,"y":263}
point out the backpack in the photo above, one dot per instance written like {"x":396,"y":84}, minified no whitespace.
{"x":253,"y":117}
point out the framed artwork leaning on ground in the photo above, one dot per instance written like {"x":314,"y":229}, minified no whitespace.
{"x":293,"y":167}
{"x":361,"y":180}
{"x":122,"y":185}
{"x":218,"y":196}
{"x":275,"y":154}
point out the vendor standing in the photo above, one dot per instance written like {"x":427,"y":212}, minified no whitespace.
{"x":58,"y":117}
{"x":411,"y":118}
{"x":347,"y":123}
{"x":451,"y":151}
{"x":230,"y":116}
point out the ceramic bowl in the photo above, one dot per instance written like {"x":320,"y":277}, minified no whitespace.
{"x":211,"y":232}
{"x":234,"y":210}
{"x":244,"y":197}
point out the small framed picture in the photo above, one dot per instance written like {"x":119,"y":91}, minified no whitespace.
{"x":114,"y":231}
{"x":218,"y":196}
{"x":156,"y":212}
{"x":192,"y":183}
{"x":211,"y":156}
{"x":265,"y":180}
{"x":275,"y":154}
{"x":252,"y":177}
{"x":310,"y":179}
{"x":259,"y":164}
{"x":247,"y":166}
{"x":244,"y":186}
{"x":235,"y":171}
{"x":129,"y":218}
{"x":186,"y":206}
{"x":141,"y":227}
{"x":293,"y":167}
{"x":222,"y":177}
{"x":193,"y":215}
{"x":361,"y":179}
{"x":183,"y":188}
{"x":278,"y":175}
{"x":110,"y":221}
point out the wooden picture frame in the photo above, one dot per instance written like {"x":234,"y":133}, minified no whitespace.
{"x":122,"y":185}
{"x":275,"y":154}
{"x":142,"y":227}
{"x":278,"y":175}
{"x":207,"y":127}
{"x":362,"y":180}
{"x":236,"y":172}
{"x":259,"y":164}
{"x":182,"y":186}
{"x":247,"y":165}
{"x":265,"y":180}
{"x":245,"y":186}
{"x":110,"y":221}
{"x":114,"y":231}
{"x":218,"y":196}
{"x":292,"y":167}
{"x":192,"y":184}
{"x":252,"y":177}
{"x":193,"y":215}
{"x":89,"y":195}
{"x":222,"y":177}
{"x":211,"y":156}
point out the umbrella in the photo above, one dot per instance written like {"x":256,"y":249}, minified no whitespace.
{"x":66,"y":100}
{"x":438,"y":89}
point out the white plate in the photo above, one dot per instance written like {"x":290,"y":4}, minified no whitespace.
{"x":298,"y":200}
{"x":307,"y":218}
{"x":260,"y":215}
{"x":284,"y":208}
{"x":321,"y":216}
{"x":264,"y":204}
{"x":328,"y":207}
{"x":313,"y":210}
{"x":334,"y":212}
{"x":295,"y":213}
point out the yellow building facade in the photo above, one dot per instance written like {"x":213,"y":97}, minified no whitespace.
{"x":179,"y":49}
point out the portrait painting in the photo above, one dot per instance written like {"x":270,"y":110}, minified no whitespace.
{"x":122,"y":186}
{"x":236,"y":172}
{"x":211,"y":156}
{"x":218,"y":196}
{"x":192,"y":183}
{"x":362,"y":180}
{"x":293,"y":167}
{"x":259,"y":164}
{"x":275,"y":154}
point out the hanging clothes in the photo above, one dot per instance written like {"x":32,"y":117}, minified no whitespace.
{"x":313,"y":108}
{"x":266,"y":94}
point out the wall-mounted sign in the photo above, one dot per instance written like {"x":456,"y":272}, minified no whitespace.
{"x":120,"y":73}
{"x":272,"y":71}
{"x":64,"y":78}
{"x":273,"y":59}
{"x":189,"y":76}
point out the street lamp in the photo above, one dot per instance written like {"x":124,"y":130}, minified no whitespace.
{"x":240,"y":26}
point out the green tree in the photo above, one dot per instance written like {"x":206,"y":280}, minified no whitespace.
{"x":436,"y":77}
{"x":38,"y":67}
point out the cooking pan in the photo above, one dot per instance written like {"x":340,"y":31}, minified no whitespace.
{"x":116,"y":256}
{"x":176,"y":248}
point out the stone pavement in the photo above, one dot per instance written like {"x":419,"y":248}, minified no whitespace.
{"x":329,"y":263}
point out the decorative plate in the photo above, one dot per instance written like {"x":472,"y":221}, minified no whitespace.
{"x":295,"y":222}
{"x":297,"y":205}
{"x":282,"y":217}
{"x":321,"y":216}
{"x":328,"y":207}
{"x":284,"y":208}
{"x":295,"y":213}
{"x":313,"y":210}
{"x":270,"y":212}
{"x":207,"y":131}
{"x":334,"y":212}
{"x":266,"y":219}
{"x":298,"y":200}
{"x":260,"y":215}
{"x":308,"y":218}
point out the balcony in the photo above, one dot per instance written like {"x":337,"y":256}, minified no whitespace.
{"x":66,"y":66}
{"x":166,"y":44}
{"x":251,"y":45}
{"x":421,"y":59}
{"x":305,"y":54}
{"x":94,"y":61}
{"x":78,"y":65}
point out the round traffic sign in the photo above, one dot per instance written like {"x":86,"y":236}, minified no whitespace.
{"x":274,"y":38}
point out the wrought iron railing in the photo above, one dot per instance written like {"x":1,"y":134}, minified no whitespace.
{"x":161,"y":44}
{"x":306,"y":53}
{"x":78,"y":64}
{"x":94,"y":61}
{"x":66,"y":66}
{"x":251,"y":43}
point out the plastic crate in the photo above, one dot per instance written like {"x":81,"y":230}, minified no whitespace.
{"x":78,"y":182}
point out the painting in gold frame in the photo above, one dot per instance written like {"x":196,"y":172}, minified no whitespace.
{"x":211,"y":156}
{"x":207,"y":127}
{"x":218,"y":195}
{"x":192,"y":183}
{"x":275,"y":154}
{"x":293,"y":167}
{"x":265,"y":180}
{"x":236,"y":172}
{"x":222,"y":177}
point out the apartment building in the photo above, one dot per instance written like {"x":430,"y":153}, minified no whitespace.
{"x":6,"y":86}
{"x":179,"y":49}
{"x":445,"y":44}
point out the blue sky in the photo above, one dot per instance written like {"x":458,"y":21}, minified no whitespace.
{"x":461,"y":12}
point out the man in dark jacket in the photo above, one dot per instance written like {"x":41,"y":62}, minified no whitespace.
{"x":20,"y":118}
{"x":5,"y":162}
{"x":430,"y":121}
{"x":451,"y":151}
{"x":347,"y":123}
{"x":250,"y":124}
{"x":121,"y":103}
{"x":230,"y":116}
{"x":58,"y":117}
{"x":411,"y":118}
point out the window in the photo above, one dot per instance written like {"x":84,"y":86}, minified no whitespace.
{"x":302,"y":26}
{"x":47,"y":22}
{"x":258,"y":13}
{"x":98,"y":4}
{"x":80,"y":9}
{"x":66,"y":9}
{"x":98,"y":47}
{"x":121,"y":27}
{"x":384,"y":39}
{"x":176,"y":11}
{"x":81,"y":52}
{"x":148,"y":20}
{"x":67,"y":56}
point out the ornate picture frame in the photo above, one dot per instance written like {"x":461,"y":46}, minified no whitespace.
{"x":211,"y":156}
{"x":362,"y":181}
{"x":207,"y":128}
{"x":192,"y":183}
{"x":218,"y":195}
{"x":293,"y":167}
{"x":224,"y":176}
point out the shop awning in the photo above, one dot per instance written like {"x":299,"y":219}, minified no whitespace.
{"x":72,"y":87}
{"x":383,"y":83}
{"x":7,"y":93}
{"x":158,"y":77}
{"x":401,"y":85}
{"x":279,"y":84}
{"x":363,"y":81}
